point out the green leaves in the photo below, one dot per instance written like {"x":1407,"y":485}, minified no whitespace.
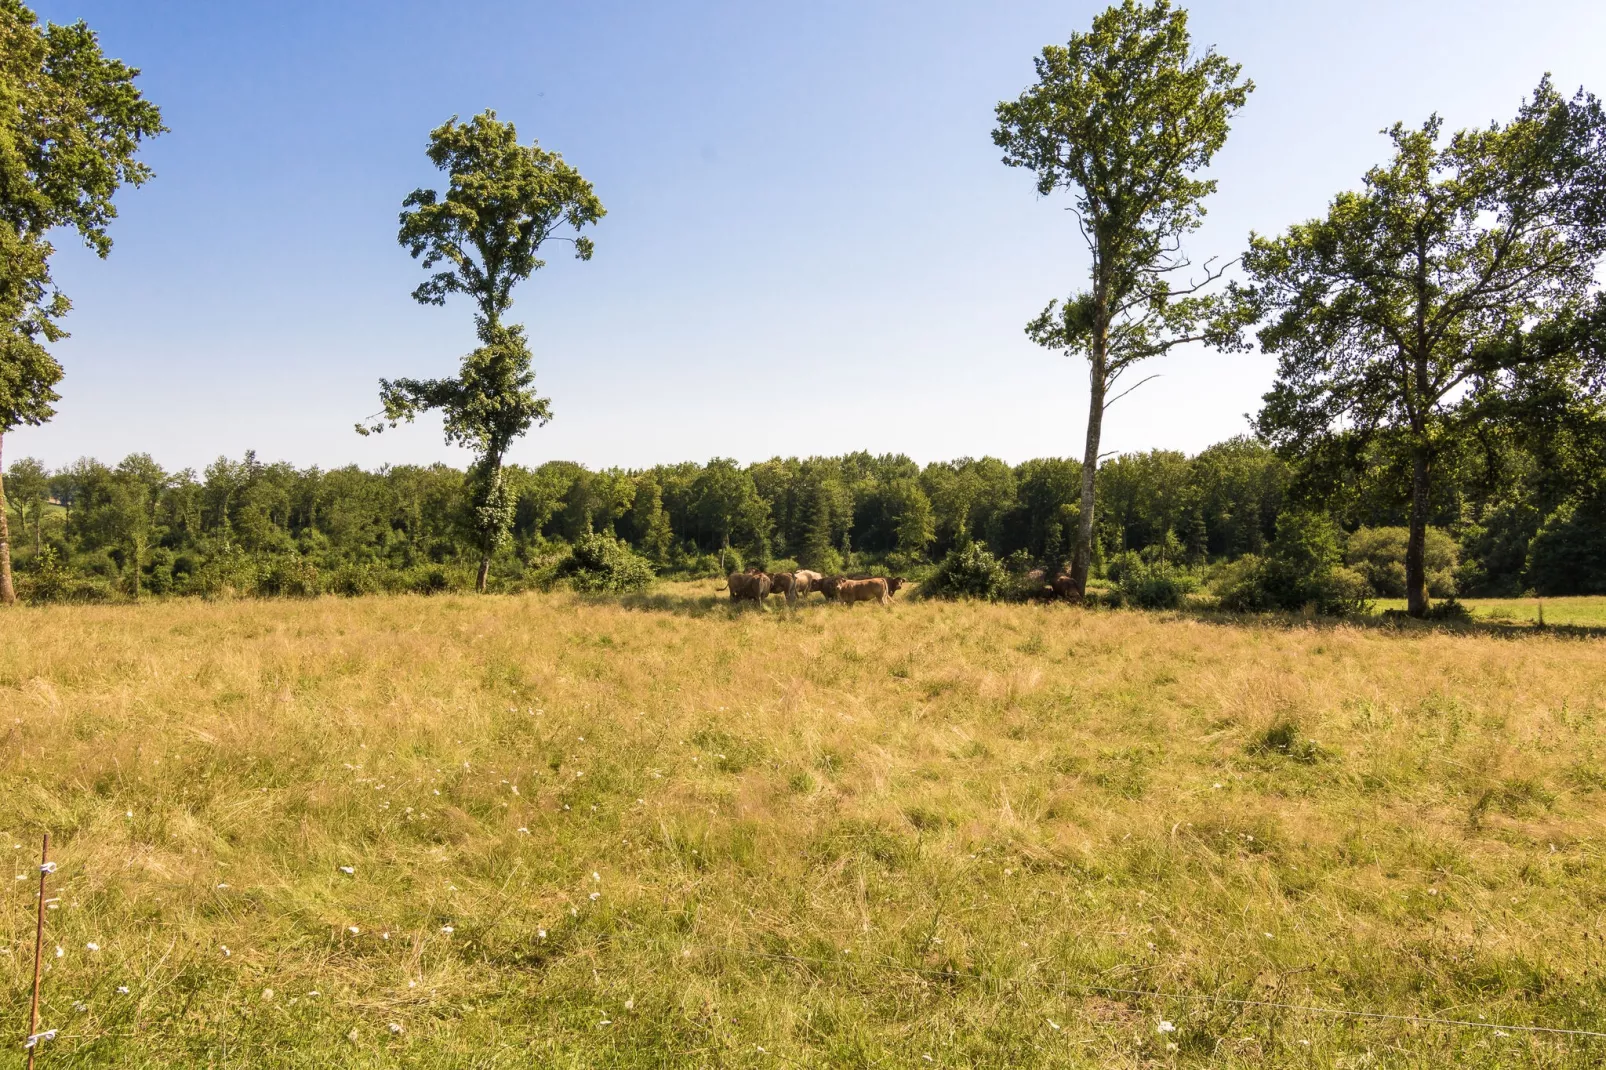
{"x":504,"y":201}
{"x":71,"y":123}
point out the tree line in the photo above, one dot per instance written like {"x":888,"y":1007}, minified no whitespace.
{"x":1507,"y":521}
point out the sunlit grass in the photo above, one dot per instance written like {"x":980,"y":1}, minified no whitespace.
{"x":1587,"y":611}
{"x":663,"y":833}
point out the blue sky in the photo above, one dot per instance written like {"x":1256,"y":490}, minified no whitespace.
{"x":810,"y":246}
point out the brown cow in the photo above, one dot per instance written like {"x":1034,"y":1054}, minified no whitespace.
{"x":881,"y":590}
{"x":749,"y":586}
{"x":828,"y":586}
{"x":784,"y":583}
{"x":1065,"y":587}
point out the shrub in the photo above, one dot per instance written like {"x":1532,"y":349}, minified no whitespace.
{"x":968,"y":572}
{"x":1155,"y":585}
{"x":354,"y":580}
{"x":52,"y":582}
{"x":1378,"y":554}
{"x":1302,"y":569}
{"x":603,"y":563}
{"x":288,"y":576}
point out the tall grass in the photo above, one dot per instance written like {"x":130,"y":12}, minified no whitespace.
{"x":550,"y":830}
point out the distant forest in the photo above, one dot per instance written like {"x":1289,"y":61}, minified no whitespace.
{"x":1505,"y":522}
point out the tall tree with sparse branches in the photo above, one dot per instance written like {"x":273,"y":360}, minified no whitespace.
{"x":1397,"y":317}
{"x":1124,"y":116}
{"x":71,"y":125}
{"x":485,"y":233}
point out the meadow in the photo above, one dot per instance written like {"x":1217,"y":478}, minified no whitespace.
{"x":553,"y":830}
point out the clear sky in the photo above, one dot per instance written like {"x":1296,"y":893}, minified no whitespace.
{"x":811,"y":246}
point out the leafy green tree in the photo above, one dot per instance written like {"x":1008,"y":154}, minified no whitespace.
{"x":725,"y":510}
{"x":649,"y":523}
{"x":71,"y":124}
{"x":1388,"y":313}
{"x":1125,"y":116}
{"x":28,"y":489}
{"x":915,"y":522}
{"x":504,"y":202}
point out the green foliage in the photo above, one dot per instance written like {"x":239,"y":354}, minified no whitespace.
{"x":1378,"y":554}
{"x":1153,"y":584}
{"x":70,"y":131}
{"x":1568,"y":555}
{"x":968,"y":572}
{"x":1303,"y":569}
{"x":603,"y":563}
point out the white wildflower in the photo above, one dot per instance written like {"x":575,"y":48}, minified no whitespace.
{"x":353,"y":930}
{"x":1052,"y":1024}
{"x":122,"y":990}
{"x":224,"y":948}
{"x":59,"y":951}
{"x":267,"y":994}
{"x":92,"y":946}
{"x":395,"y":1027}
{"x":447,"y":929}
{"x":1167,"y":1027}
{"x":630,"y":1005}
{"x":350,"y":871}
{"x":540,"y":934}
{"x":595,"y":896}
{"x":524,"y":830}
{"x":596,"y":876}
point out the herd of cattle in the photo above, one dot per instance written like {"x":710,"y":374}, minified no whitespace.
{"x":755,"y":585}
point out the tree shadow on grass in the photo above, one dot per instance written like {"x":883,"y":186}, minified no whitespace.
{"x":1398,"y":624}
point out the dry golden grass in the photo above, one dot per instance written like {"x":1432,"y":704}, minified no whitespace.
{"x":663,"y":833}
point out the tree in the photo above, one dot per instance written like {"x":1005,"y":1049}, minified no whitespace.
{"x":917,"y":529}
{"x":649,"y":524}
{"x":1393,"y":317}
{"x":504,"y":202}
{"x":71,"y":123}
{"x":1124,"y":116}
{"x":28,"y":488}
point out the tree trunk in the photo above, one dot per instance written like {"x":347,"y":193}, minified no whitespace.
{"x":1416,"y":575}
{"x":8,"y":593}
{"x":485,"y":574}
{"x":1082,"y":561}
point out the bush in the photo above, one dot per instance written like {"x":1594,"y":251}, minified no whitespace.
{"x":1378,"y":554}
{"x":1156,"y":585}
{"x":354,"y":580}
{"x":1303,"y":568}
{"x":603,"y":563}
{"x":288,"y":577}
{"x":968,"y":572}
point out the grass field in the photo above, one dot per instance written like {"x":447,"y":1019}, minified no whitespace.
{"x":1579,"y":612}
{"x":547,"y":831}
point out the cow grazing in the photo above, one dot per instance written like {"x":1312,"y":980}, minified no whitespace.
{"x":748,"y":586}
{"x":879,"y":589}
{"x":784,"y":583}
